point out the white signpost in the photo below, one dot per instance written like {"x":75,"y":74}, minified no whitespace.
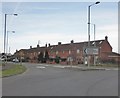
{"x":91,"y":50}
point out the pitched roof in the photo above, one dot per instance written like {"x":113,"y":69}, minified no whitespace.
{"x":64,"y":47}
{"x":72,"y":46}
{"x":114,"y":54}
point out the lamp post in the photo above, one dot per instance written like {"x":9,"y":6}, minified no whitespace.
{"x":94,"y":30}
{"x":94,"y":27}
{"x":89,"y":28}
{"x":7,"y":42}
{"x":5,"y":32}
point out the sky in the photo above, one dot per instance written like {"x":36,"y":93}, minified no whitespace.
{"x":53,"y":22}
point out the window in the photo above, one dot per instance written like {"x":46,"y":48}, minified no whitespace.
{"x":63,"y":52}
{"x":100,"y":42}
{"x":56,"y":52}
{"x":93,"y":43}
{"x":78,"y":51}
{"x":44,"y":54}
{"x":34,"y":53}
{"x":51,"y":47}
{"x":69,"y":52}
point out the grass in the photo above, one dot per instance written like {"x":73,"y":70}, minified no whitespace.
{"x":107,"y":65}
{"x":0,"y":63}
{"x":17,"y":69}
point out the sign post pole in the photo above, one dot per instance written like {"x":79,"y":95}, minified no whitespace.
{"x":90,"y":51}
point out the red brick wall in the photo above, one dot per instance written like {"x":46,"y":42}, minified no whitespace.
{"x":105,"y":50}
{"x":105,"y":47}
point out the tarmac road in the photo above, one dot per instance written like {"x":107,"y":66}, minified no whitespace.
{"x":44,"y":80}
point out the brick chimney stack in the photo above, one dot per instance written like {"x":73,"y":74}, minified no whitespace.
{"x":49,"y":44}
{"x":72,"y":41}
{"x":46,"y":45}
{"x":38,"y":46}
{"x":106,"y":38}
{"x":59,"y":43}
{"x":30,"y":47}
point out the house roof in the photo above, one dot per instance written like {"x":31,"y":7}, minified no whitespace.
{"x":64,"y":47}
{"x":112,"y":54}
{"x":72,"y":46}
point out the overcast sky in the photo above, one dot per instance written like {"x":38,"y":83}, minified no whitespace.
{"x":53,"y":22}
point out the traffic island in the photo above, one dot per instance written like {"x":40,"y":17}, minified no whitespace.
{"x":12,"y":69}
{"x":84,"y":68}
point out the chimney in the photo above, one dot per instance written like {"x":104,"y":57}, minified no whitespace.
{"x":59,"y":43}
{"x":45,"y":45}
{"x":72,"y":41}
{"x":30,"y":47}
{"x":49,"y":44}
{"x":38,"y":46}
{"x":16,"y":50}
{"x":106,"y":38}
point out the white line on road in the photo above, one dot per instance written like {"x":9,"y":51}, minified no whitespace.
{"x":40,"y":67}
{"x":59,"y":66}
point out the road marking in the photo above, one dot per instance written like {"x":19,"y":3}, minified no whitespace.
{"x":59,"y":66}
{"x":46,"y":65}
{"x":112,"y":69}
{"x":40,"y":67}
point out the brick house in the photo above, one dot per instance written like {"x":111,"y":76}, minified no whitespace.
{"x":71,"y":53}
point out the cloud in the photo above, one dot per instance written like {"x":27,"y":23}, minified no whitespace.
{"x":60,"y":23}
{"x":113,"y":28}
{"x":52,"y":38}
{"x":59,"y":1}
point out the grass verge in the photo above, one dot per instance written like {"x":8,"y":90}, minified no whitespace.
{"x":107,"y":65}
{"x":17,"y":69}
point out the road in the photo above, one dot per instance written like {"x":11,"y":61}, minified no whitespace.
{"x":44,"y":80}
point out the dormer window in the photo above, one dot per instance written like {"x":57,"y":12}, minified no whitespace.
{"x":93,"y":43}
{"x":51,"y":47}
{"x":100,"y":42}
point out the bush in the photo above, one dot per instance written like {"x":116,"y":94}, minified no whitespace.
{"x":57,"y":59}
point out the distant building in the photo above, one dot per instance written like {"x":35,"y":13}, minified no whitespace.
{"x":71,"y":53}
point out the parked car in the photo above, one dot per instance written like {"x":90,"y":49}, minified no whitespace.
{"x":2,"y":59}
{"x":15,"y":60}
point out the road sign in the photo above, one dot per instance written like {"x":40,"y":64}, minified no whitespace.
{"x":90,"y":50}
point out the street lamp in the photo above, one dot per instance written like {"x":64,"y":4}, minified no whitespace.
{"x":94,"y":26}
{"x":7,"y":42}
{"x":94,"y":30}
{"x":5,"y":31}
{"x":89,"y":28}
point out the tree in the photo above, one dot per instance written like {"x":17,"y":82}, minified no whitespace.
{"x":43,"y":57}
{"x":46,"y":55}
{"x":57,"y":59}
{"x":40,"y":57}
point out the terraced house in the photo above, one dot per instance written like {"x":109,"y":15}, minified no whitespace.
{"x":71,"y":53}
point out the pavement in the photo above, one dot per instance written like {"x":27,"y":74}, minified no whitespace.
{"x":81,"y":67}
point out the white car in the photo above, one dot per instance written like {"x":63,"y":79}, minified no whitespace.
{"x":15,"y":60}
